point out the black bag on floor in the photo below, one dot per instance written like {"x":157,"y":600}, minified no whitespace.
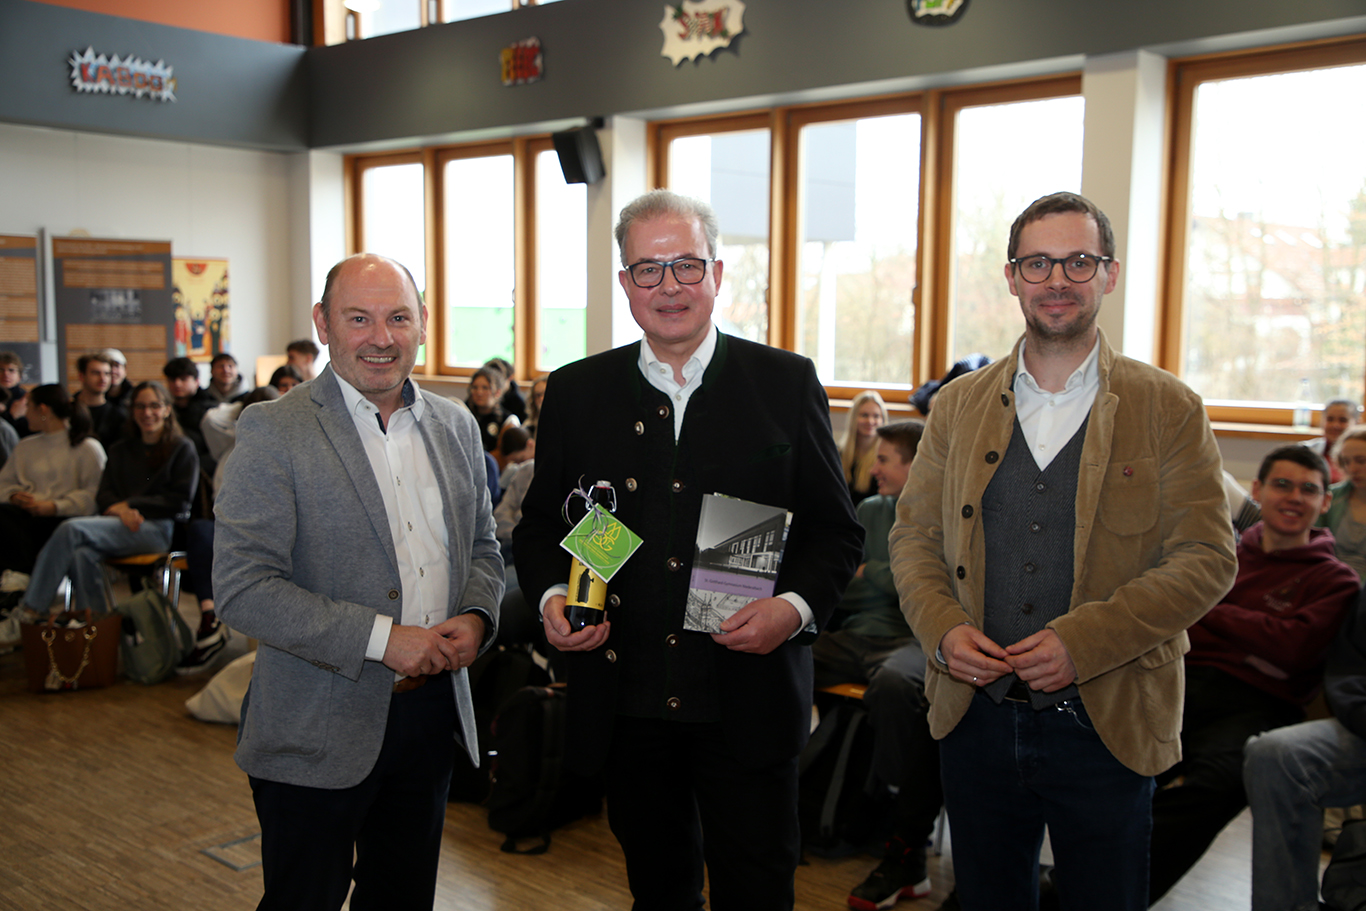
{"x":835,"y":808}
{"x":532,"y":792}
{"x":494,"y":676}
{"x":1344,"y":880}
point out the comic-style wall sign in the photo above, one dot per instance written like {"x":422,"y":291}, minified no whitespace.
{"x":692,"y":30}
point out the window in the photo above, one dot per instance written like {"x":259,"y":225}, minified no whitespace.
{"x":857,"y":227}
{"x":478,"y":297}
{"x":501,"y":259}
{"x":1268,"y":231}
{"x":728,"y":166}
{"x":830,"y":245}
{"x":995,"y":176}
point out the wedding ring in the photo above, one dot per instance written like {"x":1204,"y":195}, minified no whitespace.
{"x":974,"y":679}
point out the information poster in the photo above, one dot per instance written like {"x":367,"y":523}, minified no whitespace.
{"x":20,"y":331}
{"x":113,"y":294}
{"x":200,"y":297}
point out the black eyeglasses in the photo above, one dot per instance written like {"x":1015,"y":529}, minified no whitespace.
{"x":687,"y":270}
{"x":1079,"y":267}
{"x":1285,"y":485}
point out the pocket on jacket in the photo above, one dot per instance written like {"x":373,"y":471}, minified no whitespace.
{"x":1161,"y":686}
{"x":286,"y":714}
{"x":1130,"y":498}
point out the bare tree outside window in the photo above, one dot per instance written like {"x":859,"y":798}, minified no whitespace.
{"x":1275,"y":263}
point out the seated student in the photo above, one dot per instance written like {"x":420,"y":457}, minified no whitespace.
{"x":285,"y":378}
{"x":874,"y":646}
{"x":533,"y":405}
{"x":1293,"y":772}
{"x":220,"y":433}
{"x":515,"y":480}
{"x":9,"y":437}
{"x":147,"y":486}
{"x":1339,"y":416}
{"x":120,"y":389}
{"x":482,"y":401}
{"x":1256,"y":659}
{"x":512,"y":451}
{"x":225,"y":381}
{"x":52,"y":475}
{"x":11,"y":375}
{"x":510,"y":397}
{"x":301,"y":355}
{"x":107,"y":419}
{"x":867,"y":412}
{"x":191,"y":404}
{"x":1346,"y":517}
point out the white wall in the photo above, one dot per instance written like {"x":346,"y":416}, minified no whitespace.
{"x":207,"y":201}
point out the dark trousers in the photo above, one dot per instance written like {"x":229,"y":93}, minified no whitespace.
{"x":1009,"y":771}
{"x":677,"y":799}
{"x":1221,"y":713}
{"x":199,"y":556}
{"x":23,"y":535}
{"x":905,"y":755}
{"x":392,"y":820}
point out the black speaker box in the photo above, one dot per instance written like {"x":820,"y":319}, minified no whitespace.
{"x":580,"y":155}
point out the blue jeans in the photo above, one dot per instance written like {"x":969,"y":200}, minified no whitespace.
{"x":1008,"y":772}
{"x":1291,"y":774}
{"x":78,"y":549}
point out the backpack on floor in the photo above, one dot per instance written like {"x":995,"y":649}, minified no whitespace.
{"x":155,"y":637}
{"x":532,"y":793}
{"x":494,"y":676}
{"x":836,"y":809}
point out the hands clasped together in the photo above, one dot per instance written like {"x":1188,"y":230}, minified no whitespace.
{"x":1040,"y":660}
{"x":414,"y":651}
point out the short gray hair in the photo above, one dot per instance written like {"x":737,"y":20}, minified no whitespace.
{"x":662,"y":203}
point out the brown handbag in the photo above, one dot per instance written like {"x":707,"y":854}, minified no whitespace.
{"x":60,"y":655}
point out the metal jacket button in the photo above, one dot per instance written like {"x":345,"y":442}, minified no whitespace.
{"x":675,"y":564}
{"x":674,"y":703}
{"x":671,"y":640}
{"x":631,"y":484}
{"x":610,"y":655}
{"x":662,"y":411}
{"x":640,"y":428}
{"x":677,"y":486}
{"x":613,"y":601}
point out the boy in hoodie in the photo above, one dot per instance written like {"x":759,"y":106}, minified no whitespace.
{"x":1256,"y":658}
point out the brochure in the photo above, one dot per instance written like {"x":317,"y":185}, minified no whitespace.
{"x":739,"y":548}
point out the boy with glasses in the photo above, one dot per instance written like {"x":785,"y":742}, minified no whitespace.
{"x":1256,"y":659}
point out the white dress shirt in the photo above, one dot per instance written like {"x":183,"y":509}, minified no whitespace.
{"x":1050,"y":419}
{"x":412,"y":500}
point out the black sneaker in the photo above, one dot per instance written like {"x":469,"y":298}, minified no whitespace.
{"x":207,"y":644}
{"x":900,"y":875}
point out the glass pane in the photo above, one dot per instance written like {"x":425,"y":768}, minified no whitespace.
{"x":1276,"y":261}
{"x":391,"y":16}
{"x":392,"y":219}
{"x":993,"y":182}
{"x":478,"y":254}
{"x":730,"y":171}
{"x":473,"y":9}
{"x":860,"y":192}
{"x":561,"y":265}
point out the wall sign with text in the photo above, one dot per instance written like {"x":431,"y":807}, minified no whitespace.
{"x":91,"y":72}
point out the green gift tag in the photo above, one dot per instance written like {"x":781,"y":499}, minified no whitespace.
{"x":601,"y":542}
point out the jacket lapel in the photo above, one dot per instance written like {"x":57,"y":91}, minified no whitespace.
{"x":340,"y":429}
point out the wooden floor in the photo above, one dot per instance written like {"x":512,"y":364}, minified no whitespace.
{"x":110,"y":797}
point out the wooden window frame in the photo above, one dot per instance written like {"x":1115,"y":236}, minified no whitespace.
{"x":1185,"y":76}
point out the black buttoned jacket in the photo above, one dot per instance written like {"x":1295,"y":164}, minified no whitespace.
{"x":758,"y":428}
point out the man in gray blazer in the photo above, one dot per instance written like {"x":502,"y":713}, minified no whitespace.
{"x":355,"y":540}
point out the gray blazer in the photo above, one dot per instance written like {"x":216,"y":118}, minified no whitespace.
{"x":303,"y":561}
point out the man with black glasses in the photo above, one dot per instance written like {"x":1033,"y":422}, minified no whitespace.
{"x":1063,"y":524}
{"x":697,"y":733}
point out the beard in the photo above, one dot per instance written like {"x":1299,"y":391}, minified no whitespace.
{"x":1075,"y":328}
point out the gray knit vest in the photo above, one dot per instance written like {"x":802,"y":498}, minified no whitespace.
{"x":1028,"y":523}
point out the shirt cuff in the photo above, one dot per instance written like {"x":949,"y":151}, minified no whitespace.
{"x":803,"y":609}
{"x":551,"y":592}
{"x":379,"y":637}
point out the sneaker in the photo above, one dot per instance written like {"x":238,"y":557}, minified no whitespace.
{"x":900,"y":875}
{"x":207,"y":644}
